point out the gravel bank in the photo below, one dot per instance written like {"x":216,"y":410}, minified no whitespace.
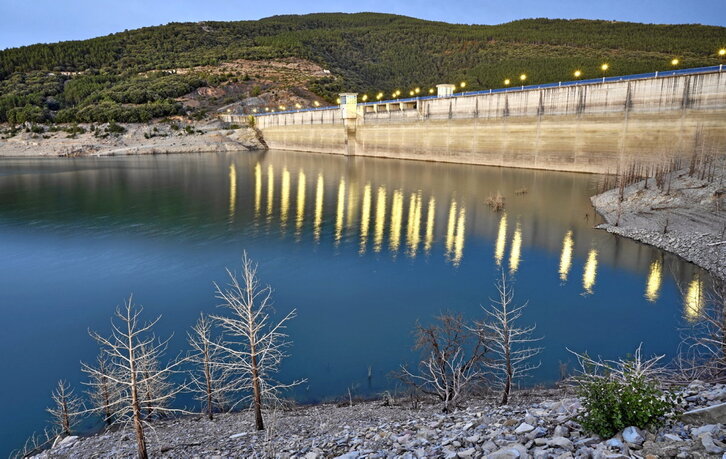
{"x":139,"y":139}
{"x":538,"y":425}
{"x":690,"y":221}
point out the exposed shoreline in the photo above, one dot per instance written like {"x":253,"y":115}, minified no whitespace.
{"x":537,"y":424}
{"x":138,"y":139}
{"x":688,"y":221}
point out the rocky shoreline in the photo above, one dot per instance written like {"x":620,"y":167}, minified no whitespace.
{"x":689,"y":220}
{"x":136,"y":139}
{"x":538,"y":424}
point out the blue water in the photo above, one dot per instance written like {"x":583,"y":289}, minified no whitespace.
{"x":362,"y":248}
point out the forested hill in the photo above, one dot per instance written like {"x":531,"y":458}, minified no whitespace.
{"x":365,"y":52}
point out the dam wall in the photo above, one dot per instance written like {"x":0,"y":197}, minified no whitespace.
{"x":595,"y":127}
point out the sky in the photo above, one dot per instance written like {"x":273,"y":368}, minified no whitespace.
{"x":24,"y":22}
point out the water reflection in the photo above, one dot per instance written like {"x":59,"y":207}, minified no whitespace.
{"x":414,"y":224}
{"x":365,"y":218}
{"x":501,"y":240}
{"x":392,"y":212}
{"x":459,"y":238}
{"x":430,"y":215}
{"x":396,"y":220}
{"x":590,"y":272}
{"x":300,"y":216}
{"x":655,"y":276}
{"x":515,"y":251}
{"x":566,"y":256}
{"x":450,"y":228}
{"x":232,"y":191}
{"x":258,"y":189}
{"x":319,"y":194}
{"x":284,"y":198}
{"x":694,"y":299}
{"x":270,"y":191}
{"x":339,"y":211}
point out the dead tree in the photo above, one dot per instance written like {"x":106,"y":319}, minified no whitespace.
{"x":102,"y":391}
{"x":208,"y":379}
{"x":67,"y":407}
{"x":703,"y":350}
{"x":511,"y":345}
{"x":129,"y":349}
{"x":451,"y":364}
{"x":254,"y":344}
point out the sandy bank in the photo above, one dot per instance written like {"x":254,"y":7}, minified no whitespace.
{"x":153,"y":138}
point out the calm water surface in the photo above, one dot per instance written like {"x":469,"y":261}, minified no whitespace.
{"x":363,"y":248}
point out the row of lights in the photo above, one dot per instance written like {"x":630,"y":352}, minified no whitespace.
{"x":416,"y":91}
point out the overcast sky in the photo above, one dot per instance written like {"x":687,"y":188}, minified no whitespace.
{"x":24,"y":22}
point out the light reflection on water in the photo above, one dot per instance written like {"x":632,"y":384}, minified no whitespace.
{"x":361,"y":247}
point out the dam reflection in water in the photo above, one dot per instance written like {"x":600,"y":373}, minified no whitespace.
{"x":363,"y":248}
{"x":409,"y":219}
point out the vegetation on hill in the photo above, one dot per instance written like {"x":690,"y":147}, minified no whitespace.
{"x":130,"y":76}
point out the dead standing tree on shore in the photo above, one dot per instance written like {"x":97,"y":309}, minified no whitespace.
{"x":102,"y":391}
{"x":68,"y":407}
{"x":254,"y":345}
{"x":130,"y":350}
{"x":510,"y":345}
{"x":451,"y":364}
{"x":209,"y":381}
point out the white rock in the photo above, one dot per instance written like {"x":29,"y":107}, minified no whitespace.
{"x":632,"y":435}
{"x":523,"y":428}
{"x":561,"y":442}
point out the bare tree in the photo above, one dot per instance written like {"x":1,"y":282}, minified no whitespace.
{"x":103,"y":392}
{"x":703,"y":350}
{"x":67,"y":407}
{"x":254,"y":344}
{"x":209,"y":380}
{"x":451,"y":364}
{"x":619,"y":370}
{"x":511,"y":345}
{"x":130,"y":350}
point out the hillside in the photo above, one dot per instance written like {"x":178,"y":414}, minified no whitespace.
{"x":190,"y":68}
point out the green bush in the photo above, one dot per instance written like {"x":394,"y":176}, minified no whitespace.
{"x":612,"y":404}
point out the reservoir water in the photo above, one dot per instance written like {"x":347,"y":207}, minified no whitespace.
{"x":362,"y":248}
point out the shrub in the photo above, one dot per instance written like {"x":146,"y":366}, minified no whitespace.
{"x":115,"y":128}
{"x":623,"y":393}
{"x":611,"y":405}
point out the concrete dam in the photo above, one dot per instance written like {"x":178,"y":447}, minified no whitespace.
{"x":584,"y":127}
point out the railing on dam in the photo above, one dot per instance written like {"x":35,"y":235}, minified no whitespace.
{"x":519,"y":88}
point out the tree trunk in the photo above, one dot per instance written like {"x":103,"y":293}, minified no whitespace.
{"x":208,"y":377}
{"x":257,"y":392}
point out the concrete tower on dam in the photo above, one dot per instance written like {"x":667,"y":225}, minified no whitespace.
{"x":593,"y":127}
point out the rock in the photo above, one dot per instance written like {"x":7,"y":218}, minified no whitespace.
{"x":523,"y":428}
{"x":467,"y":453}
{"x":350,"y":455}
{"x":615,"y":443}
{"x":709,"y":445}
{"x":561,"y":442}
{"x":632,"y":435}
{"x":474,"y":439}
{"x":672,"y":437}
{"x":562,"y":431}
{"x":708,"y":428}
{"x":68,"y":441}
{"x":232,"y":437}
{"x":714,"y":414}
{"x":505,"y":453}
{"x":538,"y":432}
{"x":312,"y":455}
{"x":529,"y":419}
